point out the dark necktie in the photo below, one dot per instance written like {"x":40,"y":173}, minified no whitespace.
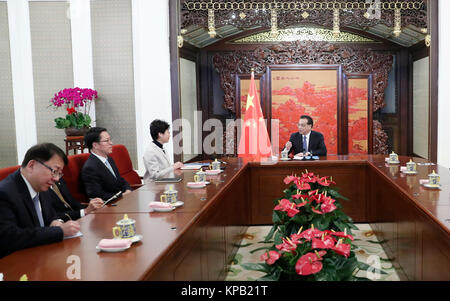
{"x":305,"y":146}
{"x":38,"y":210}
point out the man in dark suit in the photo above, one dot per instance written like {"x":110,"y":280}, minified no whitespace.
{"x":99,"y":174}
{"x":27,"y":217}
{"x":66,"y":207}
{"x":306,"y":142}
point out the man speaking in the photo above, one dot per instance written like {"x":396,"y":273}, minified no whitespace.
{"x":306,"y":142}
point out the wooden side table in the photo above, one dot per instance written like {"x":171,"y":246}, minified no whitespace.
{"x":74,"y":143}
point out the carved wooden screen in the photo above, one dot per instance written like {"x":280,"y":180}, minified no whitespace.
{"x":313,"y":90}
{"x":359,"y":113}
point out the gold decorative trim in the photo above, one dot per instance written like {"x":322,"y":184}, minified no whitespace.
{"x":302,"y":34}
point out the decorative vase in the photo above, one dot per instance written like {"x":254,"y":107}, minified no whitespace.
{"x":76,"y":131}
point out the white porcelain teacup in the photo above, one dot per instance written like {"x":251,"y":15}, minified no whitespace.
{"x":411,"y":166}
{"x":200,"y":176}
{"x":215,"y":165}
{"x":434,"y":178}
{"x":126,"y":228}
{"x":169,"y":196}
{"x":393,"y":157}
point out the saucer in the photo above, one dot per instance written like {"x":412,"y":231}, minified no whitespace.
{"x":409,"y":172}
{"x":298,"y":158}
{"x":285,"y":159}
{"x":213,"y":172}
{"x":136,"y":238}
{"x":111,"y":250}
{"x":168,"y":209}
{"x":196,"y":185}
{"x":392,"y":162}
{"x":432,"y":186}
{"x":178,"y":204}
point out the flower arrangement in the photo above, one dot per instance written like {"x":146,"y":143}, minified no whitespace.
{"x":77,"y":102}
{"x":312,"y":238}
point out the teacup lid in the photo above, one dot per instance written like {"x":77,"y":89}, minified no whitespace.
{"x":125,"y":220}
{"x":411,"y":162}
{"x":434,"y":174}
{"x":170,"y":190}
{"x":216,"y":160}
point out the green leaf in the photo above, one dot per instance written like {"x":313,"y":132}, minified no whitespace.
{"x":270,"y":234}
{"x":275,"y":276}
{"x":260,"y":267}
{"x":258,"y":249}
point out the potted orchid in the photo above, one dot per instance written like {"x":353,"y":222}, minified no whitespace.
{"x":77,"y":102}
{"x":311,"y":236}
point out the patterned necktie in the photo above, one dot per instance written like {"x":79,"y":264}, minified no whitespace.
{"x":305,"y":146}
{"x":110,"y":168}
{"x":38,"y":210}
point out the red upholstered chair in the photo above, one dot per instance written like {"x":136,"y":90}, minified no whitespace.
{"x":72,"y":176}
{"x":122,"y":159}
{"x":4,"y":172}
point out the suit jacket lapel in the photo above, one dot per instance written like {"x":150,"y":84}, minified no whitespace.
{"x":25,"y":197}
{"x":103,"y":167}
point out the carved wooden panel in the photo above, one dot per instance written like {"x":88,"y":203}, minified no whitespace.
{"x":286,"y":18}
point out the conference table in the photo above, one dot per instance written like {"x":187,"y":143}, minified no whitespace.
{"x":198,"y":240}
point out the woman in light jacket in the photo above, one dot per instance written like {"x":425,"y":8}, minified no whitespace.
{"x":157,"y":162}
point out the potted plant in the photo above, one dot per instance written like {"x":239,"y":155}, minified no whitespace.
{"x":311,"y":237}
{"x":77,"y":102}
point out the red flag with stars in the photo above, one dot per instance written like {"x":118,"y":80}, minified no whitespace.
{"x":254,"y":143}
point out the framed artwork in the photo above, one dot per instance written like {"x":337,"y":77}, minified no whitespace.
{"x":358,"y":115}
{"x":314,"y":90}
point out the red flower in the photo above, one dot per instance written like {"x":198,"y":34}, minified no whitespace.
{"x":340,"y":234}
{"x":309,"y":263}
{"x":323,"y":181}
{"x":310,"y":233}
{"x":286,"y":206}
{"x":288,"y":245}
{"x":328,"y":207}
{"x":70,"y":110}
{"x":271,"y":257}
{"x":313,"y":192}
{"x":326,"y":242}
{"x":342,"y":249}
{"x":289,"y":179}
{"x":303,"y":186}
{"x":282,"y":205}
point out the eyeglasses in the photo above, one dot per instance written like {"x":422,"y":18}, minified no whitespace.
{"x":55,"y":173}
{"x":109,"y":140}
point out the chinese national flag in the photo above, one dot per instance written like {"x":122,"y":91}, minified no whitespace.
{"x":254,"y":143}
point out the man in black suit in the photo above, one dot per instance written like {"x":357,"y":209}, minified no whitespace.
{"x":27,"y":217}
{"x":66,"y":207}
{"x":99,"y":174}
{"x":306,"y":142}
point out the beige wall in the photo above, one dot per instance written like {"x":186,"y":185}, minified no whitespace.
{"x":112,"y":47}
{"x":52,"y":64}
{"x":8,"y":149}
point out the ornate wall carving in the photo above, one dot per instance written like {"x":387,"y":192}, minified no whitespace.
{"x":353,"y":60}
{"x":261,"y":18}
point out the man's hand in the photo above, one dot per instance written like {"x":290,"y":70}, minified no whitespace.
{"x":93,"y":205}
{"x":288,"y":145}
{"x":69,"y":228}
{"x":177,"y":165}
